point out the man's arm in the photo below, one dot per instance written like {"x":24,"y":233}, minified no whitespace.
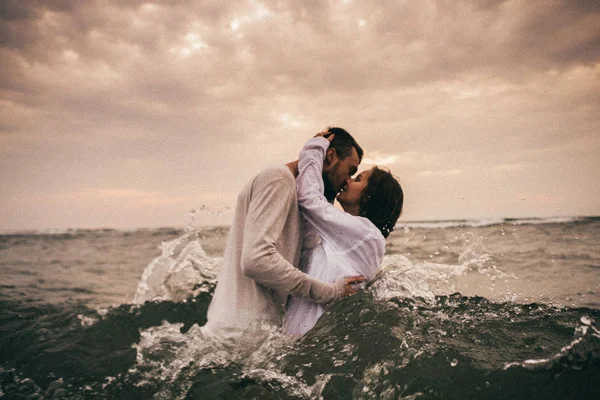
{"x":270,"y":204}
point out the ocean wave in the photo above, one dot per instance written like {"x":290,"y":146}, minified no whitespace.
{"x":583,"y":350}
{"x":552,"y":220}
{"x":363,"y":347}
{"x":433,"y":224}
{"x":83,"y":231}
{"x":459,"y":223}
{"x":484,"y":222}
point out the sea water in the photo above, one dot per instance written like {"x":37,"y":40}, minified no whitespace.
{"x":486,"y":309}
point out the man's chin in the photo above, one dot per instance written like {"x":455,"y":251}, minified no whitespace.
{"x":331,"y":195}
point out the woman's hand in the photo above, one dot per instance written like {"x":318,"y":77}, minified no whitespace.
{"x":352,"y":284}
{"x":327,"y":135}
{"x":343,"y":288}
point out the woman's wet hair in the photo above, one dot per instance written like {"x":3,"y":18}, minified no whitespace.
{"x":381,"y":200}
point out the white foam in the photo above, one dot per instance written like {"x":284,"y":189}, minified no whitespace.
{"x":483,"y":222}
{"x":163,"y":351}
{"x":552,"y":220}
{"x":452,"y":223}
{"x":86,"y":322}
{"x":181,"y":271}
{"x":400,"y":277}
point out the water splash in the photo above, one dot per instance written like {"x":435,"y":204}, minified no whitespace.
{"x":86,"y":321}
{"x":163,"y":352}
{"x":169,"y":360}
{"x":206,"y":210}
{"x":182,"y":270}
{"x":401,"y":277}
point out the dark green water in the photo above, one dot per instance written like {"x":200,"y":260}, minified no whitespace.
{"x":457,"y":348}
{"x":533,"y":335}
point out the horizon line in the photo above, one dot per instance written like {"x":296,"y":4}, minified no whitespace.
{"x":399,"y":224}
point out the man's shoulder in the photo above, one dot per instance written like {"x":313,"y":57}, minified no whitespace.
{"x":279,"y":174}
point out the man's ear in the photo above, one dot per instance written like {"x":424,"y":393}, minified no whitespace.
{"x":330,"y":156}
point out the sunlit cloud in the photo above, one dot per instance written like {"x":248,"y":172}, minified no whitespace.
{"x":290,"y":121}
{"x":71,"y":55}
{"x":256,"y":13}
{"x":119,"y":195}
{"x":152,"y":104}
{"x":441,"y":173}
{"x":379,"y":158}
{"x":192,"y":43}
{"x":507,"y":167}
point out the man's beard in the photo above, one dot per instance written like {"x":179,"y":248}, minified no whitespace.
{"x":330,"y":192}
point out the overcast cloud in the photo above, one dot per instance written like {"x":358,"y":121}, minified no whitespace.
{"x":130,"y":114}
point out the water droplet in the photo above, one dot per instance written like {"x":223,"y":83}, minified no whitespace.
{"x":339,"y":363}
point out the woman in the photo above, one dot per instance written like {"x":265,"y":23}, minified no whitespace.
{"x":344,"y":243}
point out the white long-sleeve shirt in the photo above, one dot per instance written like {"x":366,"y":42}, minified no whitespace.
{"x":349,"y":245}
{"x":259,"y":265}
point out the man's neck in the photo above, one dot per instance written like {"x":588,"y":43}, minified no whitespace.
{"x":293,"y":166}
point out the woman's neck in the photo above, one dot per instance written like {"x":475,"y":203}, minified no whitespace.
{"x":352,"y":209}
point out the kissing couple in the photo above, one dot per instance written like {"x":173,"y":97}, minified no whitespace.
{"x":291,"y":252}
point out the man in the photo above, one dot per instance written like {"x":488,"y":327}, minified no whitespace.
{"x":263,"y":249}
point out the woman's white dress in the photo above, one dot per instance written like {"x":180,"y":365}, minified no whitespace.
{"x":337,"y":244}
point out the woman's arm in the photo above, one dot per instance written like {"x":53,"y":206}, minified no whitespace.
{"x":340,"y":230}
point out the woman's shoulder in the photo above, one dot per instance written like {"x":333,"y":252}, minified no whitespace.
{"x":368,"y":228}
{"x":361,"y":236}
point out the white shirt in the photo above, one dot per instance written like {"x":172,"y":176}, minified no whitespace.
{"x":349,"y":245}
{"x":259,"y":265}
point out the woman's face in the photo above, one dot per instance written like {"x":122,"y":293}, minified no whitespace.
{"x":350,"y":194}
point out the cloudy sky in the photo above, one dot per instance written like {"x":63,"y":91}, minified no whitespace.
{"x":125,"y":114}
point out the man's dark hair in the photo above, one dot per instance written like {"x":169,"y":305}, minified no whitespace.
{"x":343,"y":143}
{"x":381,"y":200}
